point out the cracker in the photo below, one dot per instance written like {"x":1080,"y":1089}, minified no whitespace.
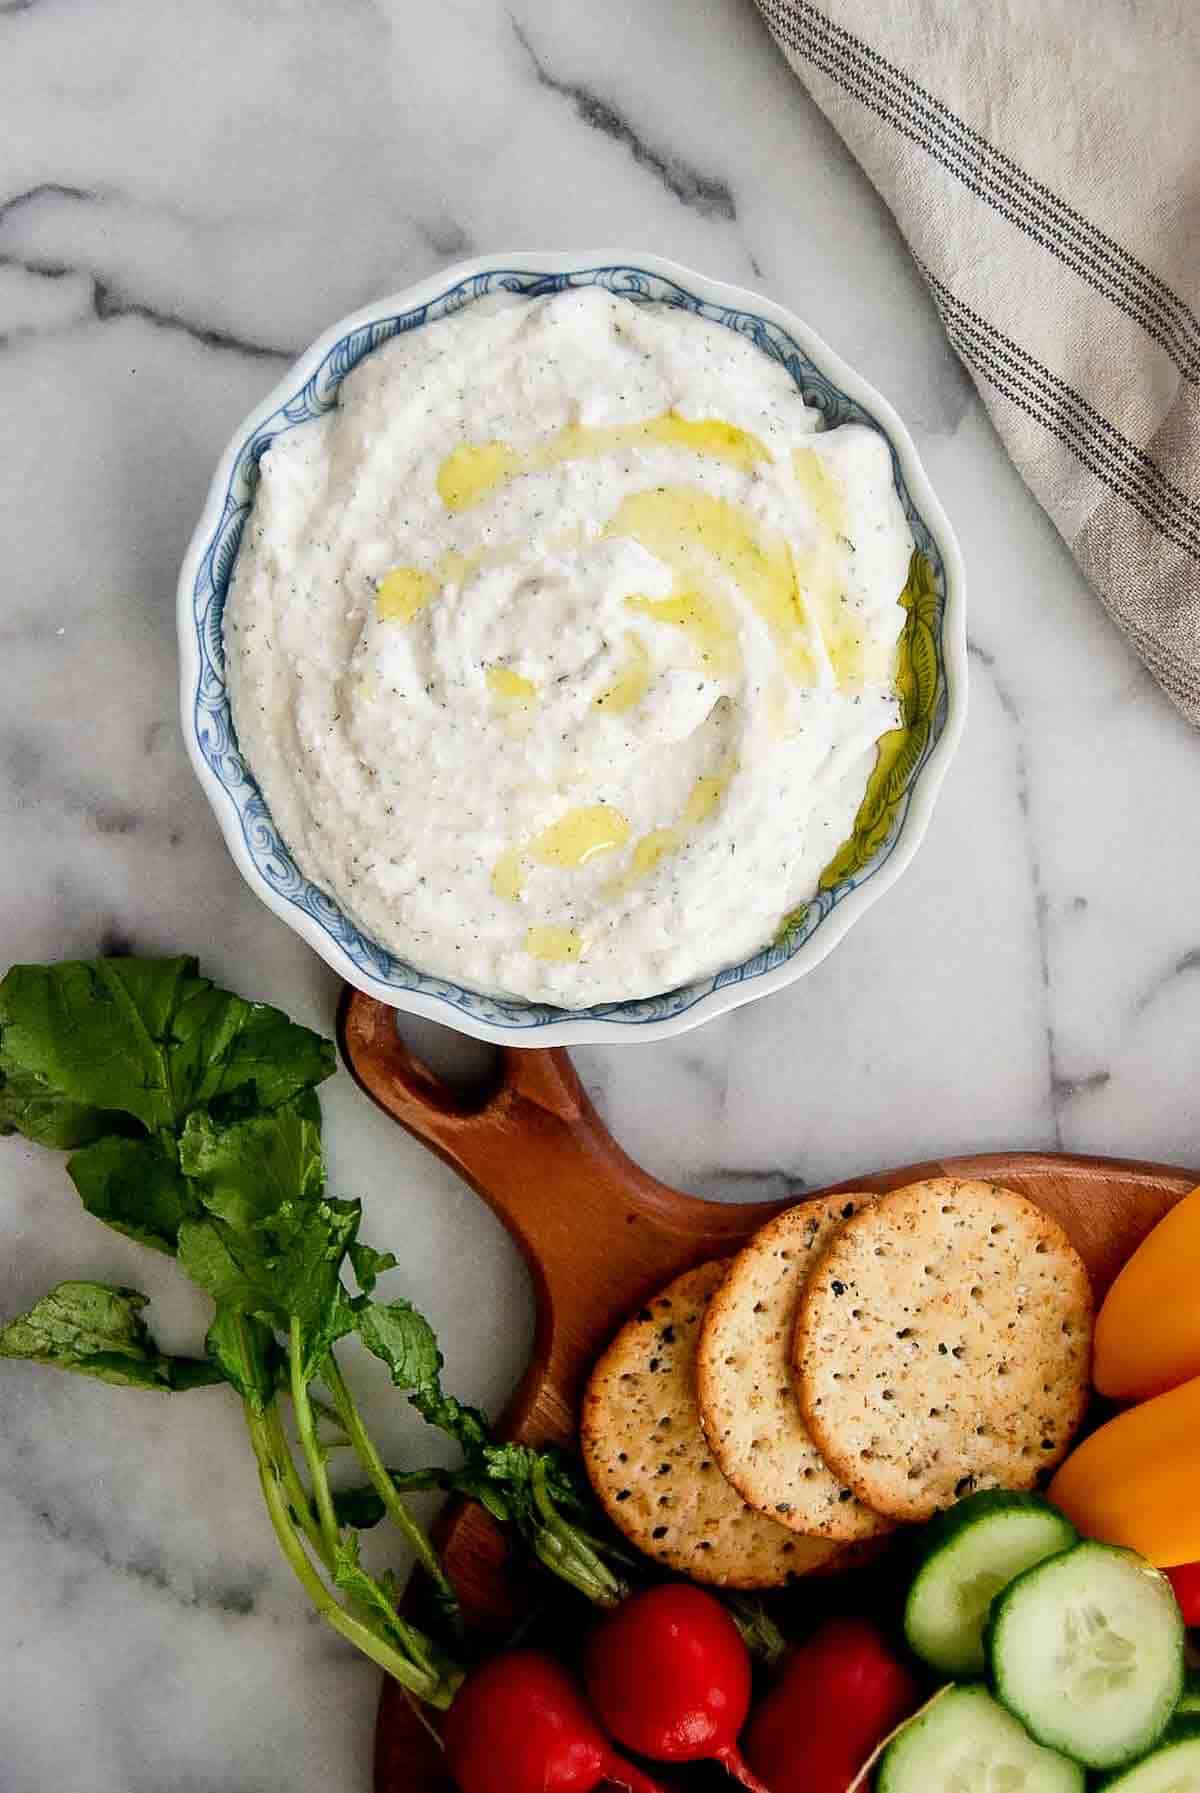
{"x":650,"y":1464}
{"x":748,"y":1407}
{"x":942,"y":1345}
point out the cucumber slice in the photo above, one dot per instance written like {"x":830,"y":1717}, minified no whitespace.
{"x":1087,"y":1650}
{"x":1189,"y":1701}
{"x":968,"y":1743}
{"x":1174,"y":1767}
{"x":968,"y":1555}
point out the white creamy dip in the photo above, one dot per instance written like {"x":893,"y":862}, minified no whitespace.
{"x":561,"y":646}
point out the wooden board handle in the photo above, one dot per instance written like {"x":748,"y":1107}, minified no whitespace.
{"x":592,"y":1226}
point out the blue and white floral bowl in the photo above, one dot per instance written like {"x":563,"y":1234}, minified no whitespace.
{"x":309,"y":388}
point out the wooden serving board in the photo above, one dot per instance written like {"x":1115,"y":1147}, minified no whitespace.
{"x":600,"y":1236}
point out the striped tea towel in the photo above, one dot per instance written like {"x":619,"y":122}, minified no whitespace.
{"x":1042,"y":158}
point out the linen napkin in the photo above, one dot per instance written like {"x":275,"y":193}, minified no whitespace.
{"x":1042,"y":158}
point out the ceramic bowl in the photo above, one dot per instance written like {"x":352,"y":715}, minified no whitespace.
{"x":881,"y":849}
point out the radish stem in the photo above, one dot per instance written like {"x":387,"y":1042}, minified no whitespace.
{"x":734,"y":1763}
{"x":569,"y":1552}
{"x":864,"y":1771}
{"x":422,"y":1681}
{"x":623,"y":1774}
{"x":295,"y":1492}
{"x":290,"y":1513}
{"x":383,"y":1485}
{"x":314,"y":1456}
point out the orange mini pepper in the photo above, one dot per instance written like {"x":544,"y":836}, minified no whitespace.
{"x":1147,"y":1335}
{"x":1136,"y":1481}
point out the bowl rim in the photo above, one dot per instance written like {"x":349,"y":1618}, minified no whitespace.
{"x":588,"y":1027}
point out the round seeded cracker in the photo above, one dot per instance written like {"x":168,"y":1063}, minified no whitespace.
{"x":748,"y":1407}
{"x":943,"y":1344}
{"x":650,"y":1463}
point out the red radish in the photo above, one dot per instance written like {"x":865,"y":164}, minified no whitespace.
{"x":519,"y":1725}
{"x":670,"y":1677}
{"x":836,"y":1697}
{"x":1185,"y":1579}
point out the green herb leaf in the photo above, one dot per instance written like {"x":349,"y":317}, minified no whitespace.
{"x":760,"y":1634}
{"x":287,"y":1268}
{"x":376,"y":1601}
{"x":232,"y":1271}
{"x":245,"y":1352}
{"x":229,"y":1047}
{"x":353,"y":1579}
{"x":406,"y":1342}
{"x":308,"y":1273}
{"x":194,"y":1128}
{"x":547,"y":1503}
{"x":271,"y":1243}
{"x":363,"y":1508}
{"x":403,"y":1339}
{"x":467,"y":1425}
{"x":248,"y":1170}
{"x":29,"y":1105}
{"x":369,"y":1265}
{"x":98,"y":1331}
{"x":89,"y":1037}
{"x":136,"y":1187}
{"x":521,"y":1472}
{"x":358,"y":1508}
{"x":474,"y":1482}
{"x":85,"y":1042}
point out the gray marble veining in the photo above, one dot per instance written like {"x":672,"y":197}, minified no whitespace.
{"x":188,"y":194}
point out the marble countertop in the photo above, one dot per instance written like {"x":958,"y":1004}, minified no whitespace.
{"x":187,"y":196}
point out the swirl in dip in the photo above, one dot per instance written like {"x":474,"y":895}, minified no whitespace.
{"x":561,"y":646}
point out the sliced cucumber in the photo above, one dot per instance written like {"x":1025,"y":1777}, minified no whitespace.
{"x":1189,"y":1700}
{"x":968,"y":1743}
{"x":1173,"y":1767}
{"x":1087,"y":1650}
{"x":968,"y":1555}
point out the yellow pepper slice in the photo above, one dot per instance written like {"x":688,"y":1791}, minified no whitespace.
{"x":1135,"y":1481}
{"x":1148,"y":1328}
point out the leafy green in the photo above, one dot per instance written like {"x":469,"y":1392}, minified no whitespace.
{"x":760,"y":1634}
{"x":98,"y":1331}
{"x":194,"y":1128}
{"x":270,"y":1243}
{"x":228,"y":1047}
{"x":89,"y":1034}
{"x":136,"y":1187}
{"x":467,"y":1425}
{"x":29,"y":1105}
{"x":536,"y":1492}
{"x":540,"y":1494}
{"x":245,"y":1352}
{"x":369,"y":1265}
{"x":246,"y":1170}
{"x":353,"y":1579}
{"x":500,"y":1477}
{"x":287,"y":1268}
{"x":91,"y":1052}
{"x":84,"y":1042}
{"x":377,"y":1601}
{"x":404,"y":1340}
{"x":364,"y":1507}
{"x":358,"y":1508}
